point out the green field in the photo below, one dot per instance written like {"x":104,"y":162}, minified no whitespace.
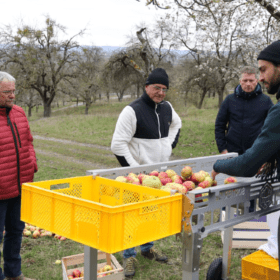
{"x":69,"y":143}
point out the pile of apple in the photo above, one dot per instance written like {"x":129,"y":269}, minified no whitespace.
{"x":36,"y":232}
{"x":170,"y":180}
{"x":75,"y":274}
{"x":104,"y":270}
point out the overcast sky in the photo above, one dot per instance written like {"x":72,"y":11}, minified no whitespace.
{"x":108,"y":22}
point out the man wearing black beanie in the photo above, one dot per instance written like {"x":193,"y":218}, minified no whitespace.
{"x":269,"y":66}
{"x":263,"y":158}
{"x":146,"y":132}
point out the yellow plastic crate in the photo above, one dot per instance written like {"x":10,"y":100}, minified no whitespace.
{"x":101,"y":213}
{"x":260,"y":266}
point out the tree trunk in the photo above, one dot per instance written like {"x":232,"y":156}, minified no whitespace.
{"x":86,"y":109}
{"x":77,"y":101}
{"x":47,"y":109}
{"x":202,"y":98}
{"x":29,"y":111}
{"x":138,"y":90}
{"x":221,"y":96}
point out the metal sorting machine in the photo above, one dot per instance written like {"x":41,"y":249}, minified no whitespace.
{"x":234,"y":198}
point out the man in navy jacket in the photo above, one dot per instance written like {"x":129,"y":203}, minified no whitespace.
{"x":242,"y":114}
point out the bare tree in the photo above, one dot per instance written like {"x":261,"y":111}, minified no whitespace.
{"x":272,"y":7}
{"x":42,"y":59}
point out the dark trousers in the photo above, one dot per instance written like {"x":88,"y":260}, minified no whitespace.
{"x":10,"y":219}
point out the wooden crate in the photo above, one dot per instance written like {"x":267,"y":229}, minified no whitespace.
{"x":77,"y":262}
{"x":249,"y":235}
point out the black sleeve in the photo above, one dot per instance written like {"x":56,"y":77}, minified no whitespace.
{"x":176,"y":140}
{"x":122,"y":161}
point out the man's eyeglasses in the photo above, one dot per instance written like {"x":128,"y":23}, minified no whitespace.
{"x":164,"y":90}
{"x":8,"y":92}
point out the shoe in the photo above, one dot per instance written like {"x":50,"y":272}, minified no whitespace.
{"x":129,"y":265}
{"x":21,"y":277}
{"x":154,"y":254}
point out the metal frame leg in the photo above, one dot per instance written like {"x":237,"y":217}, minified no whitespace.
{"x":228,"y":233}
{"x":90,"y":261}
{"x":192,"y":246}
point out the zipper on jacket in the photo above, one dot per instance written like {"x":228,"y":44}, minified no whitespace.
{"x":17,"y":152}
{"x":17,"y":135}
{"x":158,"y":121}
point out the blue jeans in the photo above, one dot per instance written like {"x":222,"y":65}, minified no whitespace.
{"x":132,"y":252}
{"x":10,"y":219}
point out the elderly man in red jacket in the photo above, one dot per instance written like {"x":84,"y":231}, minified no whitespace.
{"x":17,"y":166}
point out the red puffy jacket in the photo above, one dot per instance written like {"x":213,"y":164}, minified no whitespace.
{"x":17,"y":155}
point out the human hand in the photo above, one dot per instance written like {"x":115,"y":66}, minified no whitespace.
{"x":261,"y":169}
{"x":214,"y":174}
{"x":224,"y":152}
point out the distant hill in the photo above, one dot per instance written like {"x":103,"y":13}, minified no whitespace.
{"x":109,"y":49}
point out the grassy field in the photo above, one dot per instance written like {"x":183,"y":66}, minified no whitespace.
{"x":69,"y":143}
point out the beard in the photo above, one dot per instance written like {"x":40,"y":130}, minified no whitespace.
{"x":275,"y":83}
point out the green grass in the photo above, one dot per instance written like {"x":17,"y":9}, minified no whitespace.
{"x":57,"y":160}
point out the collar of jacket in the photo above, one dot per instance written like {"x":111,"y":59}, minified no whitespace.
{"x":148,"y":100}
{"x":7,"y":109}
{"x":239,"y":92}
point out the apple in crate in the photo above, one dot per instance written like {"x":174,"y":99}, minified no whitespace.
{"x":230,"y":180}
{"x":107,"y":268}
{"x":186,"y":172}
{"x":70,"y":276}
{"x":170,"y":173}
{"x":152,"y":181}
{"x":197,"y":178}
{"x":189,"y":185}
{"x":76,"y":272}
{"x":154,"y":173}
{"x":204,"y":184}
{"x":121,"y":179}
{"x":165,"y":181}
{"x":177,"y":179}
{"x":162,"y":175}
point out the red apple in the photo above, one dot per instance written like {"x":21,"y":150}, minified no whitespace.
{"x":36,"y":234}
{"x":204,"y":184}
{"x":230,"y":180}
{"x":76,"y":272}
{"x":189,"y":185}
{"x":165,"y":181}
{"x":154,"y":173}
{"x":162,"y":175}
{"x":214,"y":183}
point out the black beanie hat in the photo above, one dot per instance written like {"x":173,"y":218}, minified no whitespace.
{"x":271,"y":53}
{"x":158,"y":76}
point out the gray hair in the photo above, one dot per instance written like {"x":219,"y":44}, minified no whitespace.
{"x":249,"y":70}
{"x":6,"y":77}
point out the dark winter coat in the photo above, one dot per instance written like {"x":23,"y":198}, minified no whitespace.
{"x":265,"y":147}
{"x":240,"y":119}
{"x":17,"y":155}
